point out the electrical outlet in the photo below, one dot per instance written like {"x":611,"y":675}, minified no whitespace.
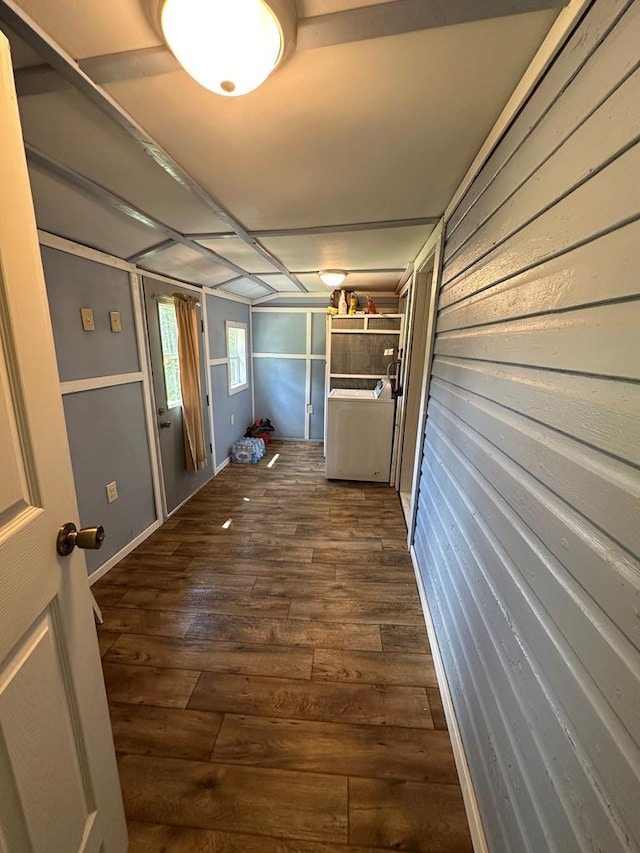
{"x":112,"y":491}
{"x":389,"y":351}
{"x":233,"y":420}
{"x":309,"y":408}
{"x":87,"y":319}
{"x":114,"y":319}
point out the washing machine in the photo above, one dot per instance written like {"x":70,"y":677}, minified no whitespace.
{"x":360,"y":433}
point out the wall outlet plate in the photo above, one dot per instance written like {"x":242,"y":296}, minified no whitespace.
{"x":112,"y":492}
{"x":87,"y":319}
{"x":114,"y":319}
{"x":388,"y":351}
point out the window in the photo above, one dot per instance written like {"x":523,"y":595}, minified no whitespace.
{"x":169,"y":342}
{"x":237,"y":355}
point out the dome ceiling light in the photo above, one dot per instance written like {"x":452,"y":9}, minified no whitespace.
{"x":332,"y":278}
{"x":228,"y":46}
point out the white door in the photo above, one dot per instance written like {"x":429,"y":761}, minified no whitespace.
{"x":59,"y":787}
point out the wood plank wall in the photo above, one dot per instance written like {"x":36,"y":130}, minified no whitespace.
{"x":528,"y":530}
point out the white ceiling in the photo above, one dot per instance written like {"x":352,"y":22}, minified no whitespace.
{"x":344,"y":158}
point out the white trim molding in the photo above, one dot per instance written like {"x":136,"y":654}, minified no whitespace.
{"x":123,"y":552}
{"x":478,"y":837}
{"x":298,"y":310}
{"x":94,"y":383}
{"x":214,"y":362}
{"x":293,"y":355}
{"x":52,"y":241}
{"x":223,"y":465}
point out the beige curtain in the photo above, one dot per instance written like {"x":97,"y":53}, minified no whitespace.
{"x":189,"y":359}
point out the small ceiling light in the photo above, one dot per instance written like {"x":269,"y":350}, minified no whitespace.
{"x":228,"y":46}
{"x":332,"y":278}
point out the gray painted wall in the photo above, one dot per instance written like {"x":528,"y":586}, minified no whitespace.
{"x":108,"y":441}
{"x":106,"y":426}
{"x":224,"y":407}
{"x":280,"y":394}
{"x":74,"y":283}
{"x":281,"y":391}
{"x":527,"y":532}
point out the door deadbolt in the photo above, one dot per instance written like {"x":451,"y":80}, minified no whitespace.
{"x":89,"y":538}
{"x":165,"y":424}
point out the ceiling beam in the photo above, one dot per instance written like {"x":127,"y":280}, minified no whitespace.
{"x":53,"y":54}
{"x":352,"y":270}
{"x":328,"y":229}
{"x":101,"y":194}
{"x":406,"y":16}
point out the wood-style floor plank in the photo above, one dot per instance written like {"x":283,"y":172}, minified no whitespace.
{"x":382,"y":752}
{"x":288,"y":632}
{"x":207,"y":600}
{"x":271,"y":685}
{"x":349,"y":610}
{"x":163,"y":838}
{"x":313,"y":700}
{"x":145,"y":685}
{"x":209,"y":795}
{"x":168,"y":732}
{"x":421,"y":817}
{"x":405,"y":638}
{"x":367,"y":667}
{"x":303,"y":590}
{"x":127,"y":620}
{"x":212,"y":567}
{"x":202,"y":654}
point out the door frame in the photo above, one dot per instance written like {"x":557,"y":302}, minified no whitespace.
{"x":430,"y":258}
{"x":154,"y":432}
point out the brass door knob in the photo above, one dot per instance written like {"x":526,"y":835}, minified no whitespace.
{"x":90,"y":538}
{"x":165,"y":424}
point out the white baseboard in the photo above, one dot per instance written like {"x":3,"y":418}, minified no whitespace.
{"x":122,"y":553}
{"x":468,"y":793}
{"x":223,"y":465}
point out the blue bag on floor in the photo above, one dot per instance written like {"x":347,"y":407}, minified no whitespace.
{"x":247,"y":451}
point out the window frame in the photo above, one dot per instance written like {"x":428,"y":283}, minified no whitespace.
{"x":171,"y":404}
{"x":244,"y":361}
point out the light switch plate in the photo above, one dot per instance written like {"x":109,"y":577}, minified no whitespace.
{"x":388,"y":351}
{"x":112,"y":492}
{"x":114,"y":319}
{"x":87,"y":319}
{"x":232,"y":419}
{"x":309,"y":408}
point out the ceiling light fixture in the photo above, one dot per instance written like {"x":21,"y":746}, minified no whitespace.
{"x":228,"y":46}
{"x":332,"y":278}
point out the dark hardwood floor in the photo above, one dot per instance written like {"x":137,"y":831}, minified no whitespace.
{"x":270,"y":684}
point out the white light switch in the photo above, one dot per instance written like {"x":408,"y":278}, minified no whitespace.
{"x":112,"y":491}
{"x":233,"y":420}
{"x":309,"y":408}
{"x":114,"y":319}
{"x":388,"y":351}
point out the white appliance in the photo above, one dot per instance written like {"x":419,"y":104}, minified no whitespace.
{"x":360,"y":433}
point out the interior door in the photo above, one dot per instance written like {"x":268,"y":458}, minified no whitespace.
{"x":179,"y":484}
{"x":59,"y":788}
